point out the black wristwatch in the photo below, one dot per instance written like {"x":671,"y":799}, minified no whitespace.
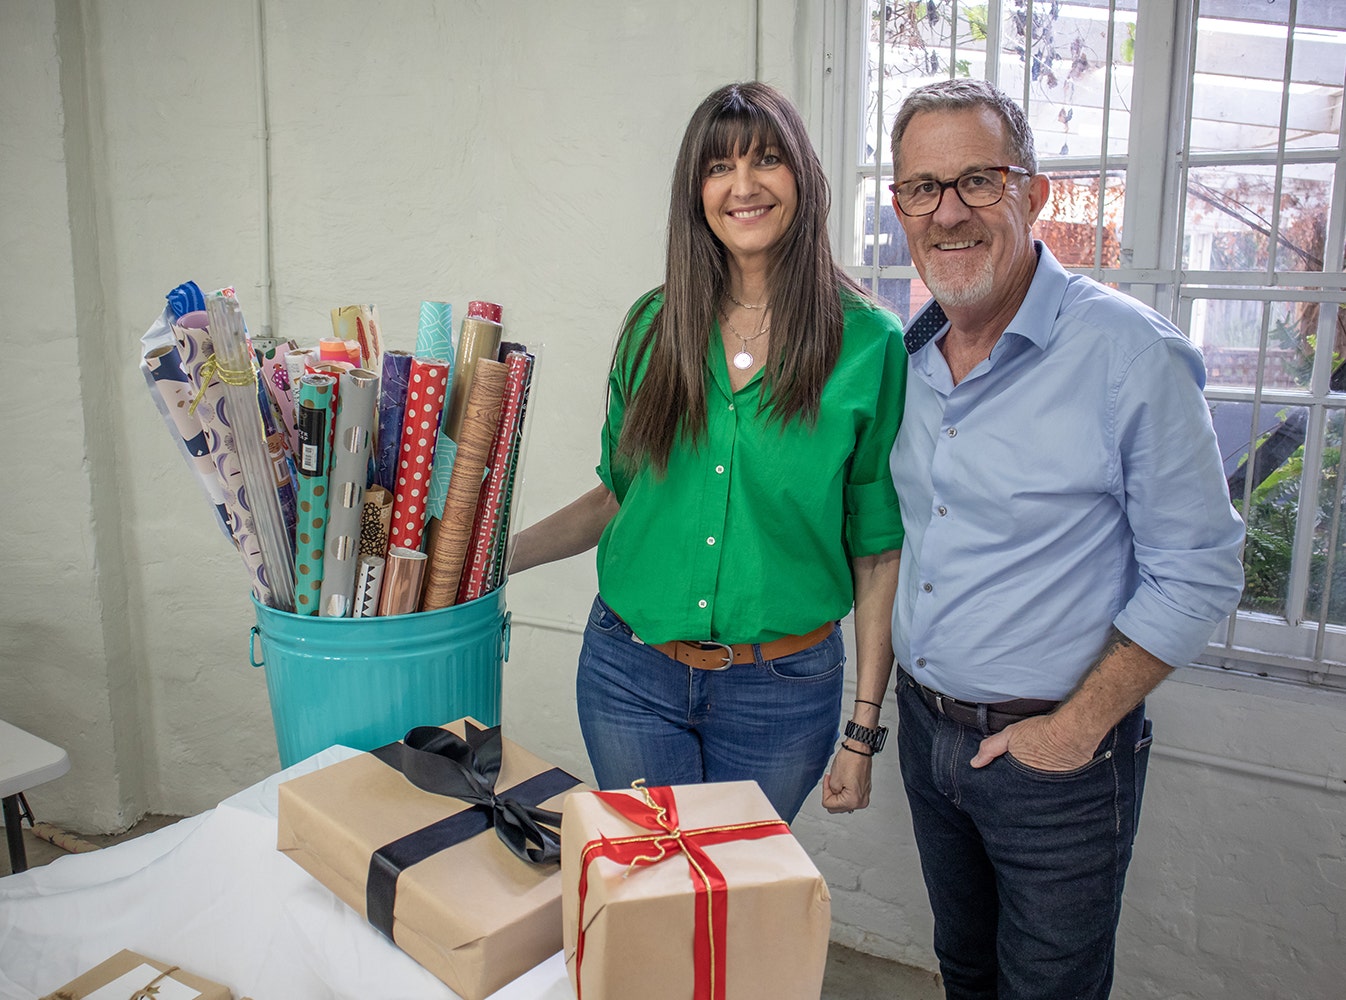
{"x":872,"y":738}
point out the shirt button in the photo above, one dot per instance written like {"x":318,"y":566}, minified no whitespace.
{"x":953,"y":432}
{"x":710,"y":540}
{"x":942,"y":510}
{"x":927,"y":587}
{"x":920,"y":661}
{"x":719,"y":469}
{"x":700,"y":604}
{"x":731,"y":406}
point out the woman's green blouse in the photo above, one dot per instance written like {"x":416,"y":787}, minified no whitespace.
{"x":748,"y":536}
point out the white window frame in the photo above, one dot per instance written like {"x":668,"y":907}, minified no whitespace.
{"x":1299,"y":647}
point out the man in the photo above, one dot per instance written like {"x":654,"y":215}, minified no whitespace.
{"x":1069,"y":541}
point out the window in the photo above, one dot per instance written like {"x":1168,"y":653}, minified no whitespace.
{"x":1196,"y":154}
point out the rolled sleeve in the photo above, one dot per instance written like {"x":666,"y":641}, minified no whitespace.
{"x":873,"y":518}
{"x":1187,"y":535}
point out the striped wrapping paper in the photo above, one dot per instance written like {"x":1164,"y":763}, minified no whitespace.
{"x":492,"y":523}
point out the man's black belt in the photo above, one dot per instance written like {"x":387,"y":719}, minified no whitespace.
{"x":989,"y":717}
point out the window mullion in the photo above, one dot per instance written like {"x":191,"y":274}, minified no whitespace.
{"x":1145,"y":220}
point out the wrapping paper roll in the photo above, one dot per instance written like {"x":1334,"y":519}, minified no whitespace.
{"x":315,"y":409}
{"x":346,"y":492}
{"x":402,"y":575}
{"x":280,"y":387}
{"x":281,"y":456}
{"x":425,"y":404}
{"x":451,"y":540}
{"x":375,"y":521}
{"x":434,"y":333}
{"x":212,"y":408}
{"x":296,"y":363}
{"x":368,"y":586}
{"x":361,"y":324}
{"x":236,"y":368}
{"x":392,"y":408}
{"x":333,"y":349}
{"x":485,"y":310}
{"x":479,"y":338}
{"x":493,"y":503}
{"x":173,"y":393}
{"x":509,"y":503}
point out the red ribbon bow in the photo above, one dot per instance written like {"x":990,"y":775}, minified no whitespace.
{"x":657,"y":812}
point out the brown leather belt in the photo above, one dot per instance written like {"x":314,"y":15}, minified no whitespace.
{"x":719,"y":656}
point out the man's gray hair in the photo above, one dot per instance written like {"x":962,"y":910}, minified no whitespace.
{"x":961,"y":95}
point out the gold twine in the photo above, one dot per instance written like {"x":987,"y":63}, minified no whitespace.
{"x":211,"y":368}
{"x":147,"y":992}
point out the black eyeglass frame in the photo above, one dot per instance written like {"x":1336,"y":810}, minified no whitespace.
{"x":944,"y":186}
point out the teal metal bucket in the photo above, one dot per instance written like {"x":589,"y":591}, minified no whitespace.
{"x":363,"y":682}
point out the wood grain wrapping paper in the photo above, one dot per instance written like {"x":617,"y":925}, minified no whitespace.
{"x":480,"y":419}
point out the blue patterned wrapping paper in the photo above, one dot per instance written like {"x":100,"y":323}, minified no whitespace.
{"x":392,"y":407}
{"x":173,"y":393}
{"x":434,"y":339}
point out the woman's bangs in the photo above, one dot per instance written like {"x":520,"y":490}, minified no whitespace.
{"x":736,"y":132}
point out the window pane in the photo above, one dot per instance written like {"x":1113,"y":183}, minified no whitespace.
{"x":1316,"y":88}
{"x":1059,"y":56}
{"x":1327,"y":572}
{"x":1229,"y":333}
{"x":1236,"y":91}
{"x":1273,"y":477}
{"x":1229,"y":217}
{"x":1069,"y":223}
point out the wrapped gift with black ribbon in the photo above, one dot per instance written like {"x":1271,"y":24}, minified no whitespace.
{"x":446,"y":842}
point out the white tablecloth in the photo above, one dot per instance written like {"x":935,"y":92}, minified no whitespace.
{"x":213,"y":895}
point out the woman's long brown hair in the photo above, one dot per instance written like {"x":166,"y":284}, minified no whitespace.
{"x":803,"y":283}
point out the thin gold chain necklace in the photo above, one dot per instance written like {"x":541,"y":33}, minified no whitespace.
{"x":744,"y":360}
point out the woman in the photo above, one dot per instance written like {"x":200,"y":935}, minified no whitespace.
{"x":745,"y":500}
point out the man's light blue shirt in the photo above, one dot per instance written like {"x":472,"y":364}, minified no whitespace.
{"x":1070,"y":482}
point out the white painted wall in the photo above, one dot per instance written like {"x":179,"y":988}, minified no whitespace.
{"x":460,"y":150}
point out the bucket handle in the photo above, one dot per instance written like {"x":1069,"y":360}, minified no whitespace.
{"x":252,"y":648}
{"x":504,"y":636}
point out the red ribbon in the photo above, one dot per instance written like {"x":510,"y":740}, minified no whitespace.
{"x":658,"y":813}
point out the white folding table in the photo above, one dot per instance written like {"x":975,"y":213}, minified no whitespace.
{"x":25,"y":760}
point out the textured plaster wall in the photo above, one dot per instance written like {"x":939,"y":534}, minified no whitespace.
{"x":452,"y":151}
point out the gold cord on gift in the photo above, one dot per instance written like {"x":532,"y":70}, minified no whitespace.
{"x":212,"y":368}
{"x":151,"y":989}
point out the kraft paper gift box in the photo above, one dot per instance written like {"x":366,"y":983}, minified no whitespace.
{"x":432,"y":871}
{"x":694,"y":892}
{"x":128,"y":974}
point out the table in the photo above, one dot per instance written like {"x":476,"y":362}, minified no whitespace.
{"x":25,"y":760}
{"x":212,"y":894}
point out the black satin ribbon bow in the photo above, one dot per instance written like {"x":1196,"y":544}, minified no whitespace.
{"x":438,"y":761}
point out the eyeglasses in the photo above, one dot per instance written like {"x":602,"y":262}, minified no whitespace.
{"x":976,"y":189}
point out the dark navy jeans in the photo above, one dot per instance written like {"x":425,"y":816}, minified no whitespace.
{"x":645,"y":715}
{"x":1024,"y":867}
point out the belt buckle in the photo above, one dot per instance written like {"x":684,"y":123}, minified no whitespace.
{"x":728,"y":653}
{"x":939,"y":703}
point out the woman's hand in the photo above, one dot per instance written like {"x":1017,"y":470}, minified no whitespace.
{"x":846,"y":786}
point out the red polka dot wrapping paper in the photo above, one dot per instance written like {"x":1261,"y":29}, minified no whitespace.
{"x":420,"y":431}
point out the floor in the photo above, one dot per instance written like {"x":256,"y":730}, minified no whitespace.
{"x":850,"y":975}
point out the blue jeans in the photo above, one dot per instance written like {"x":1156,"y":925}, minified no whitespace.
{"x":1024,"y":867}
{"x":645,"y":715}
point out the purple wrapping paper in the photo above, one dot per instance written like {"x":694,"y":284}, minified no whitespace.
{"x":392,"y":407}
